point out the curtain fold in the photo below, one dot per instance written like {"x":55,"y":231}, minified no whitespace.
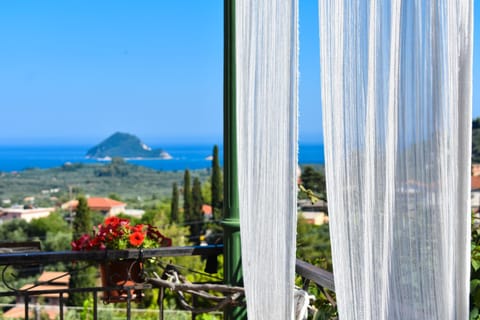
{"x":396,"y":95}
{"x":267,"y":64}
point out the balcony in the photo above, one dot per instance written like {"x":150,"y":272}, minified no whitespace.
{"x":45,"y":298}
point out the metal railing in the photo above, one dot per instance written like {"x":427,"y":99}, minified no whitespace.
{"x":27,"y":296}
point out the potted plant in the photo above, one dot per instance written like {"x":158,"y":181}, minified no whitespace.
{"x":117,"y":234}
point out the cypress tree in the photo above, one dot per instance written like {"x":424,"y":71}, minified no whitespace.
{"x":187,"y":197}
{"x":217,"y":188}
{"x":174,"y":216}
{"x":197,"y":213}
{"x":82,"y":223}
{"x":197,"y":198}
{"x":81,"y":276}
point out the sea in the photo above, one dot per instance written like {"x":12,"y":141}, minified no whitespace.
{"x":18,"y":158}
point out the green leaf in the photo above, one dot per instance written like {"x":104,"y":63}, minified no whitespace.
{"x":474,"y":314}
{"x":475,"y":264}
{"x":474,"y":284}
{"x":476,"y":298}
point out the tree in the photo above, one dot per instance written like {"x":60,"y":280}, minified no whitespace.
{"x":187,"y":197}
{"x":476,"y":123}
{"x":52,"y":223}
{"x":159,"y":215}
{"x":114,"y":196}
{"x":197,"y":198}
{"x":81,"y":275}
{"x":313,"y":244}
{"x":313,"y":180}
{"x":54,"y":232}
{"x":197,"y":213}
{"x":82,"y":223}
{"x":174,"y":216}
{"x":217,"y":188}
{"x":14,"y":230}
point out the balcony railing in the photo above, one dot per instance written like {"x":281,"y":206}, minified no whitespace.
{"x":27,"y":296}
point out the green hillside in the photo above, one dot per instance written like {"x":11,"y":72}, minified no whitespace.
{"x":126,"y":180}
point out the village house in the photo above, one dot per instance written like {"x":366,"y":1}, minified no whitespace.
{"x":27,"y":214}
{"x":207,"y":212}
{"x":475,"y":169}
{"x":108,"y":207}
{"x":47,"y":303}
{"x":316,"y":213}
{"x":135,"y":213}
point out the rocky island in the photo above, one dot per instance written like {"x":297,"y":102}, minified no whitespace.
{"x":126,"y":146}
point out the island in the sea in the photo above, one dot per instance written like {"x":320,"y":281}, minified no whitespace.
{"x":126,"y":146}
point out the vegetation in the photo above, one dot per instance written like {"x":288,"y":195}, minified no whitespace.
{"x":119,"y":233}
{"x":313,"y":246}
{"x":47,"y":230}
{"x":216,"y":185}
{"x":314,"y":180}
{"x":136,"y":185}
{"x":83,"y":222}
{"x":187,"y":197}
{"x":475,"y":245}
{"x":116,"y":168}
{"x":82,"y":275}
{"x":313,"y":242}
{"x":475,"y":271}
{"x":196,"y":225}
{"x":174,"y":213}
{"x":131,"y":182}
{"x":119,"y":180}
{"x":158,"y":194}
{"x":476,"y":140}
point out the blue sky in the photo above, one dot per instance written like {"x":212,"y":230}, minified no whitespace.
{"x":77,"y":71}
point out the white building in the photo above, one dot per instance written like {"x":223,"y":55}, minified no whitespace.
{"x":316,"y":213}
{"x":7,"y":214}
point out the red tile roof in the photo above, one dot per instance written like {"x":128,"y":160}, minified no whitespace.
{"x":207,"y":209}
{"x":103,"y":203}
{"x":475,"y":182}
{"x":95,"y":204}
{"x":18,"y":312}
{"x":46,"y":287}
{"x":60,"y":277}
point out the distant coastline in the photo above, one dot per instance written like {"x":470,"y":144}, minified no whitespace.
{"x":195,"y":156}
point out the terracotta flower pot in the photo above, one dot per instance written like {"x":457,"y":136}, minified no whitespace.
{"x":123,"y":273}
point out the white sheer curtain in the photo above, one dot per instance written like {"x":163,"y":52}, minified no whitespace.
{"x":266,"y":42}
{"x":396,"y":93}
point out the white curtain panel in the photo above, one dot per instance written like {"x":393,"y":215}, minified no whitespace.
{"x":267,"y":64}
{"x":396,"y":94}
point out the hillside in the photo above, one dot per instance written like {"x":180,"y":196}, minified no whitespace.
{"x":126,"y":180}
{"x":124,"y":145}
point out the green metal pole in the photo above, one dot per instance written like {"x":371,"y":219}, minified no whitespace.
{"x":231,"y":215}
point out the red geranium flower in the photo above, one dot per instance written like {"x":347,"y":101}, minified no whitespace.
{"x":117,"y":233}
{"x":137,"y":228}
{"x":136,"y":239}
{"x":82,"y":243}
{"x":113,"y":221}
